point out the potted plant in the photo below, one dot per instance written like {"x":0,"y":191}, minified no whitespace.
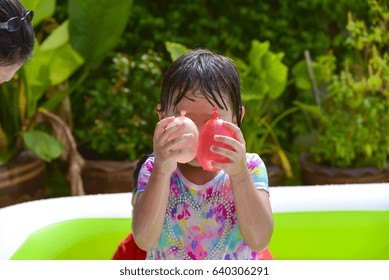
{"x":114,"y":119}
{"x":352,"y":113}
{"x":27,"y":123}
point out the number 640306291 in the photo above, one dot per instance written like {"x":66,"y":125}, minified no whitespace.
{"x":240,"y":271}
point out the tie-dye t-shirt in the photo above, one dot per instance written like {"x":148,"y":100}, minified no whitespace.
{"x":201,"y":221}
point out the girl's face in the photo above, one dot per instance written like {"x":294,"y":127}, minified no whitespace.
{"x":7,"y":72}
{"x":199,"y":110}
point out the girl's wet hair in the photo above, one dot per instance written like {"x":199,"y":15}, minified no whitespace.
{"x":213,"y":75}
{"x":206,"y":73}
{"x":15,"y":47}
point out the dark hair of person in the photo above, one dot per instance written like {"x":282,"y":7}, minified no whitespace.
{"x":15,"y":47}
{"x":213,"y":75}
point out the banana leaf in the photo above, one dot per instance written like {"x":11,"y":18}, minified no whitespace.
{"x":96,"y":27}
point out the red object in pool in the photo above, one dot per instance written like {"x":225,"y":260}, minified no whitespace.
{"x":128,"y":250}
{"x":206,"y":139}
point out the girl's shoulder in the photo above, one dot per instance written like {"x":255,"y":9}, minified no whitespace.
{"x":253,"y":158}
{"x":150,"y":159}
{"x":146,"y":165}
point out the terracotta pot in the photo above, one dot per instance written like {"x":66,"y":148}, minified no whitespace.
{"x":275,"y":175}
{"x":100,"y":176}
{"x":315,"y":174}
{"x":22,"y":179}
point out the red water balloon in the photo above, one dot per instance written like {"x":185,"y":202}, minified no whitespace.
{"x":206,"y":139}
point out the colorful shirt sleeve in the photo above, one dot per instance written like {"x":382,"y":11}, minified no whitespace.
{"x":144,"y":175}
{"x":258,"y":171}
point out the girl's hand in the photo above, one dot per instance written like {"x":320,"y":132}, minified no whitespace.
{"x":165,"y":143}
{"x":237,"y":156}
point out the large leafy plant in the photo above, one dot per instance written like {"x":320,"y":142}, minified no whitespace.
{"x":352,"y":117}
{"x":264,"y":79}
{"x":60,"y":63}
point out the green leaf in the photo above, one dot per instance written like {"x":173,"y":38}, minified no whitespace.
{"x":43,"y":9}
{"x":60,"y":96}
{"x":285,"y":163}
{"x":61,"y":58}
{"x":42,"y":144}
{"x":64,"y":61}
{"x":312,"y":109}
{"x":301,"y":76}
{"x":265,"y":74}
{"x":175,"y":50}
{"x":375,"y":82}
{"x":96,"y":27}
{"x":276,"y":74}
{"x":53,"y":62}
{"x":9,"y":112}
{"x":256,"y":54}
{"x":242,"y":66}
{"x":252,"y":89}
{"x":3,"y":141}
{"x":7,"y":156}
{"x":359,"y":86}
{"x":36,"y":74}
{"x":58,"y":38}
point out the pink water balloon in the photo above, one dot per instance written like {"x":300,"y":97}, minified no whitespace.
{"x":190,"y":145}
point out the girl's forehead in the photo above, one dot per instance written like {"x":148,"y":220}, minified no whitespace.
{"x":198,"y":106}
{"x":194,"y":103}
{"x":199,"y":99}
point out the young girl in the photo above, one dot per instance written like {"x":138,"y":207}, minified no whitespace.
{"x":183,"y":211}
{"x":16,"y":37}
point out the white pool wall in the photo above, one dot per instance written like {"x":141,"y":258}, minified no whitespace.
{"x":19,"y":221}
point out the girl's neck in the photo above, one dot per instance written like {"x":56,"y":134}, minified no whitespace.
{"x":196,"y":175}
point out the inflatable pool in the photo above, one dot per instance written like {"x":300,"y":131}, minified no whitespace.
{"x":311,"y":223}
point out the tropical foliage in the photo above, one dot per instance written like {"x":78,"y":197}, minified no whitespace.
{"x":352,"y":128}
{"x":62,"y":60}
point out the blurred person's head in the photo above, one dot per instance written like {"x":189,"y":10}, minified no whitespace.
{"x":16,"y":37}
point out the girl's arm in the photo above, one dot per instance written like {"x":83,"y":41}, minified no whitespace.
{"x":253,"y":208}
{"x":254,"y":212}
{"x":150,"y":207}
